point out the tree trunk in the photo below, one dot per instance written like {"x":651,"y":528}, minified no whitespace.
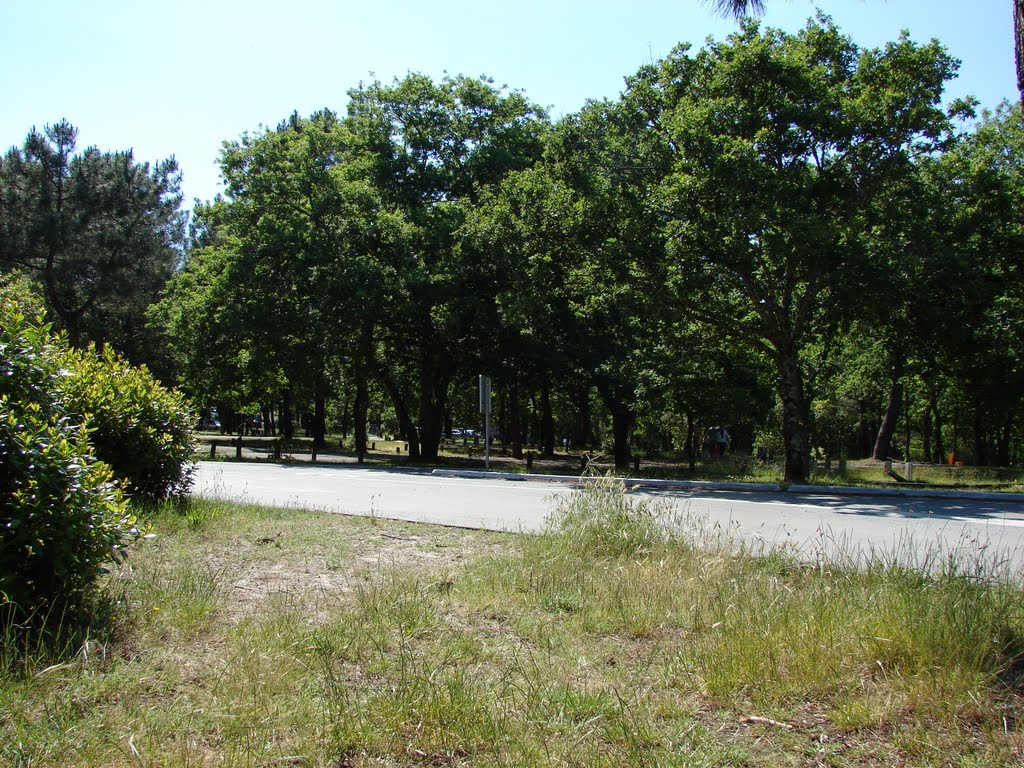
{"x":956,"y":433}
{"x":622,"y":422}
{"x":1003,"y":450}
{"x":515,"y":421}
{"x":433,"y":395}
{"x":547,"y":422}
{"x":940,"y":448}
{"x":502,"y":430}
{"x":362,"y":370}
{"x":926,"y":432}
{"x":319,"y":426}
{"x":347,"y":419}
{"x":359,"y":408}
{"x":883,"y":443}
{"x":1018,"y":38}
{"x":581,"y":429}
{"x":867,"y":432}
{"x":287,"y":417}
{"x":794,"y":422}
{"x":981,"y":457}
{"x":906,"y":424}
{"x":614,"y":398}
{"x":226,"y":415}
{"x":691,"y":436}
{"x":406,"y":428}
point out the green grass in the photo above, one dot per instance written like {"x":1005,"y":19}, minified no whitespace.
{"x":939,"y":475}
{"x":246,"y":636}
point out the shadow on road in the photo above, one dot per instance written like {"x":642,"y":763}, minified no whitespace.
{"x":910,"y":508}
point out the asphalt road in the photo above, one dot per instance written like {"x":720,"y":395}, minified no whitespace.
{"x":914,"y":531}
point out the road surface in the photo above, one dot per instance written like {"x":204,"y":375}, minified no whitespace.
{"x":921,"y":531}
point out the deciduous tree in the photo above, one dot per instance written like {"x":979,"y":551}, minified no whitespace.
{"x":780,"y":141}
{"x":431,"y":149}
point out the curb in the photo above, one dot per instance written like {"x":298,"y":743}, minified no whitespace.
{"x":711,"y":485}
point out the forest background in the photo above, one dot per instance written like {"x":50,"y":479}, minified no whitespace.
{"x":808,"y":241}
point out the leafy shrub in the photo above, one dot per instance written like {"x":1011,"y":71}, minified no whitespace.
{"x":141,"y":429}
{"x":62,"y":516}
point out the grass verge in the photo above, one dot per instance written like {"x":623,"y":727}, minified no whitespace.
{"x":246,"y":636}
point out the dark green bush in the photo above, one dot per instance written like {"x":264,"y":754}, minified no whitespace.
{"x":62,"y":516}
{"x":142,"y":430}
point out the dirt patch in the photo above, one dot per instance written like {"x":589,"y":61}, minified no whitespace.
{"x":297,"y":565}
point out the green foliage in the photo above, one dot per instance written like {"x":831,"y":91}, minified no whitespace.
{"x":432,"y":150}
{"x":213,"y":332}
{"x":777,"y":218}
{"x":579,"y":266}
{"x":62,"y":517}
{"x":100,"y":231}
{"x":139,"y":428}
{"x":780,"y":146}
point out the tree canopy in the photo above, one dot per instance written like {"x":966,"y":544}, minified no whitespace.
{"x":786,"y":234}
{"x":98,"y":231}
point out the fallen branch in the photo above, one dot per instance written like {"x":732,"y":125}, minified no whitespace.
{"x":755,"y":720}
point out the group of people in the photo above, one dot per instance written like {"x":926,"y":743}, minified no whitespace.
{"x":716,"y":441}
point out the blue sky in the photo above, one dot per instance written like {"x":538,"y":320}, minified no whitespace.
{"x":181,"y":78}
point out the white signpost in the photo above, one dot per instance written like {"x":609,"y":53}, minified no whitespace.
{"x":485,"y":409}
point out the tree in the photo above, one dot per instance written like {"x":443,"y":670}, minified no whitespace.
{"x":303,"y":230}
{"x":580,"y":265}
{"x":900,"y":244}
{"x":1018,"y":45}
{"x":979,"y":184}
{"x":99,"y":232}
{"x":740,"y":8}
{"x":737,"y":8}
{"x":431,"y":150}
{"x":780,"y":142}
{"x":522,"y":236}
{"x":205,"y":334}
{"x":287,"y":277}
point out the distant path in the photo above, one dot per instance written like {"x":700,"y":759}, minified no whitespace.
{"x":810,"y":522}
